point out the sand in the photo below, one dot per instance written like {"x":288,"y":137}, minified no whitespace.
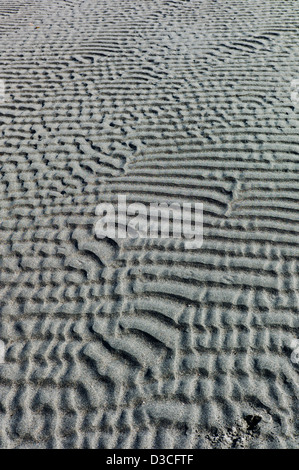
{"x":142,"y":343}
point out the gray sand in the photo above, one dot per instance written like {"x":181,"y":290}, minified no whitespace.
{"x":143,"y":344}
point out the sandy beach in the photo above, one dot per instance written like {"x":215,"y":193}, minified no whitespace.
{"x":140,"y":343}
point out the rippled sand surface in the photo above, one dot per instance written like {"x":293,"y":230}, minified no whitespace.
{"x":142,"y":343}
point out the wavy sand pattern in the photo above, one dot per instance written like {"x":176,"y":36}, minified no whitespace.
{"x":145,"y":344}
